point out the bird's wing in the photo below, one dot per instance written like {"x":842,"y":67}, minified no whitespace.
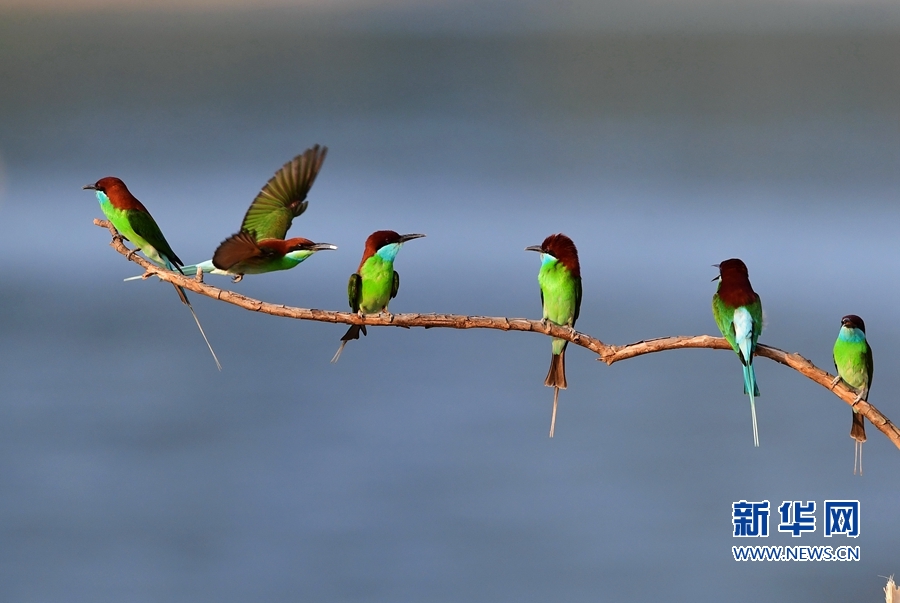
{"x":756,"y":313}
{"x":395,"y":285}
{"x":354,"y":291}
{"x":143,"y":225}
{"x":724,"y":320}
{"x":283,"y":198}
{"x":577,"y":301}
{"x":236,"y":248}
{"x":870,"y":367}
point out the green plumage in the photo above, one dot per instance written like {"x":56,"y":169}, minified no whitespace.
{"x":283,"y":198}
{"x":371,"y":290}
{"x":375,"y":283}
{"x":560,"y":297}
{"x":737,"y":311}
{"x":724,"y":316}
{"x":141,"y":229}
{"x":134,"y":222}
{"x":560,"y":282}
{"x":853,"y":361}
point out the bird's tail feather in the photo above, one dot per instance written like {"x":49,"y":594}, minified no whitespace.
{"x":858,"y":429}
{"x":753,"y":416}
{"x":352,"y":333}
{"x":750,"y":386}
{"x":750,"y":380}
{"x":556,"y":376}
{"x":191,"y":270}
{"x":858,"y":433}
{"x":185,"y":301}
{"x":553,"y":416}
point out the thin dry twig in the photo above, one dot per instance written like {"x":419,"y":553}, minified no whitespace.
{"x":608,"y":353}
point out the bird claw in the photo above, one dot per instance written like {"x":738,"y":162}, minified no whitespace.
{"x":146,"y":275}
{"x":130,"y":255}
{"x":199,"y":276}
{"x":237,"y":278}
{"x":387,"y":315}
{"x":835,"y":381}
{"x":545,"y":322}
{"x":858,"y":399}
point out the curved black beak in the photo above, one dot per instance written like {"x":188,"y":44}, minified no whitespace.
{"x":537,"y":248}
{"x":321,"y":246}
{"x":89,"y":187}
{"x":410,"y":237}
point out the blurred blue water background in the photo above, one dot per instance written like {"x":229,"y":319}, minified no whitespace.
{"x":418,"y":468}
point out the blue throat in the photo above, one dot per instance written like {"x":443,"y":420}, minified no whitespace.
{"x":546,"y":258}
{"x":102,"y":198}
{"x":389,"y":252}
{"x":851,"y":335}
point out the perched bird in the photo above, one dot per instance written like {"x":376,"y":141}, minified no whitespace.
{"x":375,"y":283}
{"x":853,"y":361}
{"x":560,"y":281}
{"x":135,"y":223}
{"x":260,"y":246}
{"x":738,"y":313}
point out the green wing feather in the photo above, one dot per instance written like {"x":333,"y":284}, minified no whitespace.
{"x":143,"y":225}
{"x":853,"y":362}
{"x":755,"y":310}
{"x":724,"y":316}
{"x":354,"y":291}
{"x":283,"y":198}
{"x":577,"y":301}
{"x":870,"y":367}
{"x":724,"y":320}
{"x":395,"y":285}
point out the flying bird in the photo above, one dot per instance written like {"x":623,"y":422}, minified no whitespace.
{"x":260,"y":245}
{"x":244,"y":253}
{"x":738,"y":313}
{"x":375,"y":283}
{"x":560,"y":282}
{"x":135,"y":223}
{"x":853,"y":361}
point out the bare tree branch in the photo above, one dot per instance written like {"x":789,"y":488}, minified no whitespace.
{"x":608,"y":353}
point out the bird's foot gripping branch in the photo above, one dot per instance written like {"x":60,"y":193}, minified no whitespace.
{"x":607,"y":353}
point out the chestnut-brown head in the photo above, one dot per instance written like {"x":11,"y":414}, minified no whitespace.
{"x":852,"y":321}
{"x":734,"y":283}
{"x":296,"y":244}
{"x":117,"y":193}
{"x":563,"y":249}
{"x":385,"y":243}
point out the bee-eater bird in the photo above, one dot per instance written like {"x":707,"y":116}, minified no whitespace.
{"x":375,"y":283}
{"x":560,"y":281}
{"x":738,"y":313}
{"x":243,"y":253}
{"x":853,"y":361}
{"x":135,"y":223}
{"x":260,"y":246}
